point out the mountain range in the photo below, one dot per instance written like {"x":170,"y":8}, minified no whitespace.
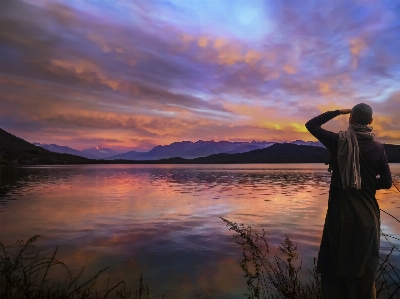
{"x":183,"y":149}
{"x":275,"y":153}
{"x":15,"y":150}
{"x":97,"y":152}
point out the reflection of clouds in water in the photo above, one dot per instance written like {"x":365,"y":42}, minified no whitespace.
{"x":163,"y":221}
{"x":225,"y":181}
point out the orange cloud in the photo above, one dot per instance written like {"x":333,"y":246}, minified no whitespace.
{"x":230,"y":55}
{"x":226,"y":52}
{"x":202,"y":42}
{"x":269,"y":123}
{"x":252,"y":56}
{"x":219,"y":43}
{"x":231,"y":52}
{"x":324,"y":88}
{"x":357,"y":45}
{"x":186,"y":38}
{"x":289,"y":69}
{"x":85,"y":70}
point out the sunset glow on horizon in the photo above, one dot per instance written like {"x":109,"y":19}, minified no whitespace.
{"x":135,"y":74}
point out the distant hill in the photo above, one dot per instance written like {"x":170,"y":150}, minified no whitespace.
{"x":15,"y":150}
{"x":276,"y":153}
{"x":243,"y":148}
{"x":392,"y":152}
{"x":99,"y":152}
{"x":183,"y":149}
{"x":61,"y":149}
{"x":131,"y":155}
{"x":287,"y":153}
{"x":310,"y":143}
{"x":190,"y":150}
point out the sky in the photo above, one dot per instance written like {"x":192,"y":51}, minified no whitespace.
{"x":130,"y":75}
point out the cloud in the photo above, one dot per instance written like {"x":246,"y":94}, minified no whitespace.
{"x":176,"y":70}
{"x":386,"y":120}
{"x":143,"y":144}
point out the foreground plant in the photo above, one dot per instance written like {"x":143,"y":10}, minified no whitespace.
{"x":388,"y":276}
{"x":272,"y":278}
{"x":279,"y":277}
{"x":25,"y":275}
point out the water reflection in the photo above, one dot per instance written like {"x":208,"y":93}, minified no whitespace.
{"x":163,"y":221}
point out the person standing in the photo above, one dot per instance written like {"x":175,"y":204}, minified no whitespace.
{"x":349,"y":250}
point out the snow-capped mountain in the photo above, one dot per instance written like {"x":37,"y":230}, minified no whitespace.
{"x":100,"y":152}
{"x":183,"y":149}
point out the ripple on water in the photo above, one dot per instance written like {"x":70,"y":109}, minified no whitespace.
{"x":163,"y":221}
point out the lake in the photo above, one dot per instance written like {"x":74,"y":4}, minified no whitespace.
{"x":162,"y":221}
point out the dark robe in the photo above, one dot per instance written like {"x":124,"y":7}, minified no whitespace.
{"x":350,"y":239}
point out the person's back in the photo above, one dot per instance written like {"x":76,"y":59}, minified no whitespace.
{"x":348,"y":256}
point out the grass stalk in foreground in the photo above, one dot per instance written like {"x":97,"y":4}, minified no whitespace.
{"x":25,"y":275}
{"x":275,"y":277}
{"x":280,"y":277}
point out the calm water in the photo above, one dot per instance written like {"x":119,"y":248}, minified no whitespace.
{"x":163,"y":220}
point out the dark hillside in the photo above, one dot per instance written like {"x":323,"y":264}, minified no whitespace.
{"x":392,"y":152}
{"x":276,"y":153}
{"x":286,"y":153}
{"x":15,"y":150}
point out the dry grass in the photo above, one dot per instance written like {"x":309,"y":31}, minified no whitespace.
{"x":279,"y":276}
{"x":25,"y":275}
{"x":272,"y":277}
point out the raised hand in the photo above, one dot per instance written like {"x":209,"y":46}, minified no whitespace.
{"x":345,"y":111}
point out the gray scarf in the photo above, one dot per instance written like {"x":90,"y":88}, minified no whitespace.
{"x":349,"y":153}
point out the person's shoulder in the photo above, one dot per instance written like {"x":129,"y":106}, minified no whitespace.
{"x":377,"y":143}
{"x":379,"y":147}
{"x":371,"y":145}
